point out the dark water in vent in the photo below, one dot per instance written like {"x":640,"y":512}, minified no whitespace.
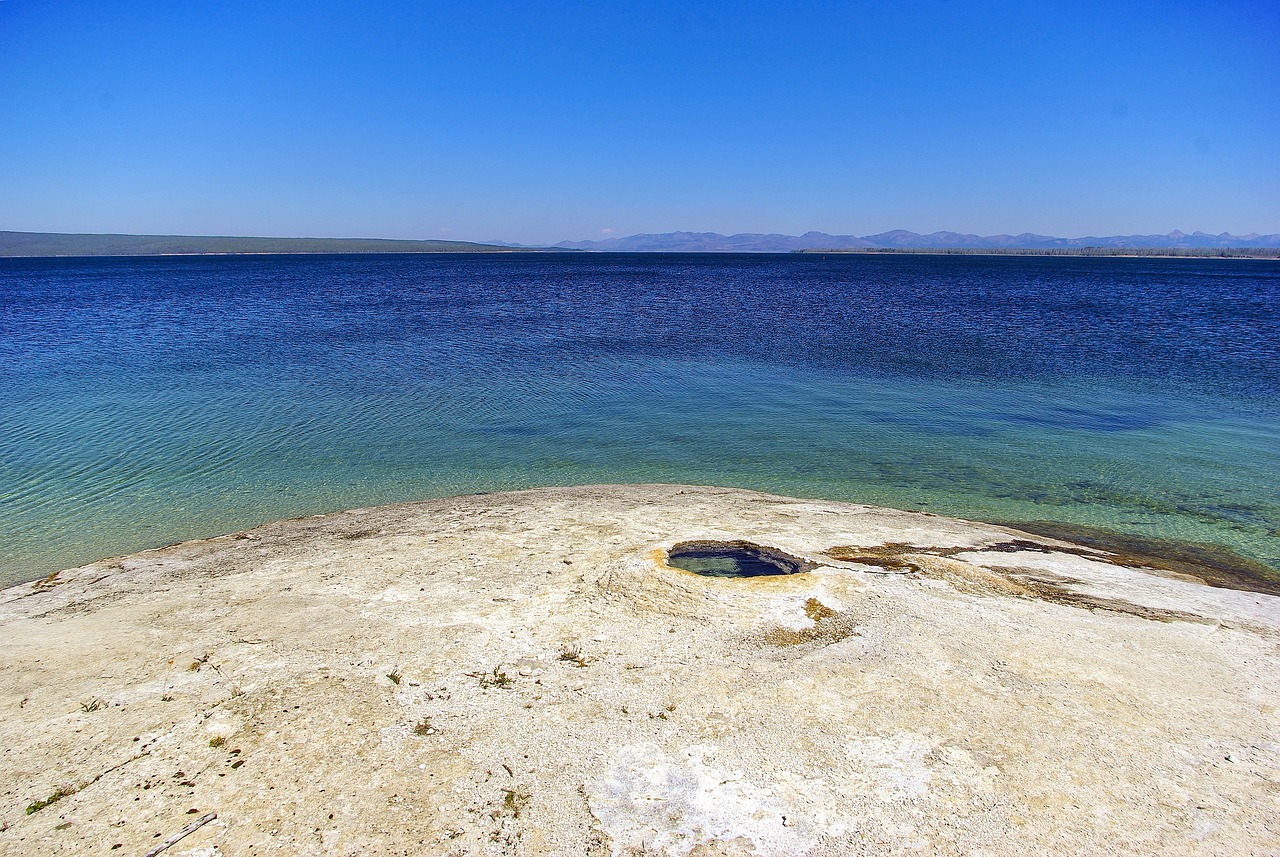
{"x":734,"y":559}
{"x":144,"y":401}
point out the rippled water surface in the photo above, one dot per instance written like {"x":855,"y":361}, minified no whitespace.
{"x":144,"y":401}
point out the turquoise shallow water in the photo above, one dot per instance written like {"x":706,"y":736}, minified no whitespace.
{"x":145,"y":401}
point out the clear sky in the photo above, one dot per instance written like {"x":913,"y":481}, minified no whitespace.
{"x":536,"y":122}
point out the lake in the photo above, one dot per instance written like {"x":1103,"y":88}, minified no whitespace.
{"x":150,"y":400}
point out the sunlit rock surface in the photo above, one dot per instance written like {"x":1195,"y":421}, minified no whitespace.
{"x":525,"y":674}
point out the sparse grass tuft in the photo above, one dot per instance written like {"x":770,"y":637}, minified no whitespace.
{"x":424,"y":727}
{"x":217,"y":741}
{"x":570,"y":653}
{"x":394,"y":676}
{"x":515,"y":800}
{"x":62,"y":791}
{"x":496,"y":678}
{"x":90,"y":705}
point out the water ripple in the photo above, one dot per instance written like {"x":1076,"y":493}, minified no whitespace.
{"x":148,"y":400}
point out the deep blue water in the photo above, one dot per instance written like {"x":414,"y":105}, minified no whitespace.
{"x":148,"y":400}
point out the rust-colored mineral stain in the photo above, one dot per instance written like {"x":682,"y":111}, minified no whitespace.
{"x":890,"y":557}
{"x":1016,"y":581}
{"x":1215,"y":565}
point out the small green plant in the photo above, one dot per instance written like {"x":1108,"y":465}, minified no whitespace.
{"x":515,"y":800}
{"x":496,"y":678}
{"x":90,"y":705}
{"x":570,"y":653}
{"x":424,"y":727}
{"x":217,"y":741}
{"x":62,"y":791}
{"x":394,"y":676}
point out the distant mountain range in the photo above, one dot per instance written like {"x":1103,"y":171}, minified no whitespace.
{"x":901,"y":239}
{"x":63,"y":244}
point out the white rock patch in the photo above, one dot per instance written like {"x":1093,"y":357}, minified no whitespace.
{"x":655,"y":802}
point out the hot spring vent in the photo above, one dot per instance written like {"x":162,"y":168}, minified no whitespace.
{"x":734,"y":559}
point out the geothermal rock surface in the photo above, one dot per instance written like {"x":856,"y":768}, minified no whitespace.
{"x":526,"y":674}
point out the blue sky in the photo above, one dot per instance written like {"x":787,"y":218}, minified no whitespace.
{"x":539,"y":122}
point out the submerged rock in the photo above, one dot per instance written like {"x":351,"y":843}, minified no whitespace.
{"x":530,"y":673}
